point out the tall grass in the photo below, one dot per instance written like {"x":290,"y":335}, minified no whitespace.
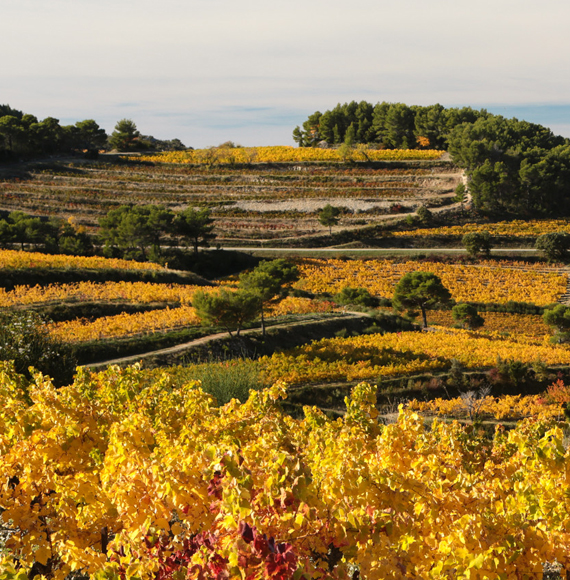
{"x":227,"y":380}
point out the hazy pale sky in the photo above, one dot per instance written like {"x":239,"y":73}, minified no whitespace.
{"x":208,"y":71}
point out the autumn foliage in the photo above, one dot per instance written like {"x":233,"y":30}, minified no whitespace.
{"x":122,"y":476}
{"x":285,"y":154}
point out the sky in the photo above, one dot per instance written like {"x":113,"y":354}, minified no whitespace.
{"x":249,"y":71}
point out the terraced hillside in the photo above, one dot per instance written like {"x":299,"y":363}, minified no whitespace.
{"x":255,"y":202}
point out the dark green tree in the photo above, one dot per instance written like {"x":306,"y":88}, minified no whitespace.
{"x":194,"y":227}
{"x":327,"y":124}
{"x":298,"y":136}
{"x":26,"y":229}
{"x":554,"y":246}
{"x":11,"y":131}
{"x":329,"y":216}
{"x":163,"y":145}
{"x":133,"y":229}
{"x":310,"y":132}
{"x":8,"y":110}
{"x":467,"y":316}
{"x":159,"y":222}
{"x":226,"y":309}
{"x":477,"y":243}
{"x":268,"y":282}
{"x":430,"y":123}
{"x":558,"y":318}
{"x":460,"y":192}
{"x":399,"y":127}
{"x":494,"y":187}
{"x":126,"y":136}
{"x":544,"y":181}
{"x":350,"y":136}
{"x":420,"y":290}
{"x":74,"y":241}
{"x":47,"y":136}
{"x":88,"y":135}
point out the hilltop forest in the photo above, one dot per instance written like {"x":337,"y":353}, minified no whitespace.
{"x":513,"y":166}
{"x":24,"y":136}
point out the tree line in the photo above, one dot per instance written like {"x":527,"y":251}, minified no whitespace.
{"x":141,"y":231}
{"x":51,"y":235}
{"x":24,"y":136}
{"x":514,"y":167}
{"x":130,"y":231}
{"x":389,"y":125}
{"x":554,"y":246}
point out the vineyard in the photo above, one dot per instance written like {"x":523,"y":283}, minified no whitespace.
{"x":500,"y":322}
{"x":119,"y":475}
{"x":265,"y":200}
{"x":124,"y":324}
{"x":484,"y":282}
{"x":140,"y":292}
{"x":327,"y":435}
{"x":514,"y":228}
{"x":283,"y":154}
{"x":16,"y":260}
{"x":373,"y":357}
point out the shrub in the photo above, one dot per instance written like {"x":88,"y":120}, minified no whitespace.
{"x":356,"y":296}
{"x":467,"y":316}
{"x":25,"y":339}
{"x":558,"y":318}
{"x":477,"y":243}
{"x":397,"y":208}
{"x":558,"y":392}
{"x":509,"y":372}
{"x":456,"y":375}
{"x":424,"y":214}
{"x":411,"y":220}
{"x":460,"y":192}
{"x":554,"y":246}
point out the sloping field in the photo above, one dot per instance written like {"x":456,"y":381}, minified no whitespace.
{"x":514,"y":228}
{"x":263,"y":201}
{"x":487,"y":282}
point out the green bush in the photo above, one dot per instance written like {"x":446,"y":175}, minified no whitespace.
{"x":25,"y":339}
{"x":467,"y":316}
{"x":477,"y":243}
{"x":424,"y":214}
{"x":558,"y":318}
{"x":460,"y":192}
{"x":509,"y":372}
{"x":554,"y":246}
{"x":355,"y":296}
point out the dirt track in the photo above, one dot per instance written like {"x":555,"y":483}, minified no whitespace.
{"x":199,"y":341}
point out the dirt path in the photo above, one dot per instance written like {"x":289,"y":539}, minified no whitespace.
{"x":204,"y":340}
{"x":371,"y":250}
{"x":170,"y":350}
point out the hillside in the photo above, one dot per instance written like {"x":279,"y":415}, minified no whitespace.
{"x":177,"y":441}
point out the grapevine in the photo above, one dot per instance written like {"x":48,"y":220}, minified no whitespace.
{"x":122,"y":475}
